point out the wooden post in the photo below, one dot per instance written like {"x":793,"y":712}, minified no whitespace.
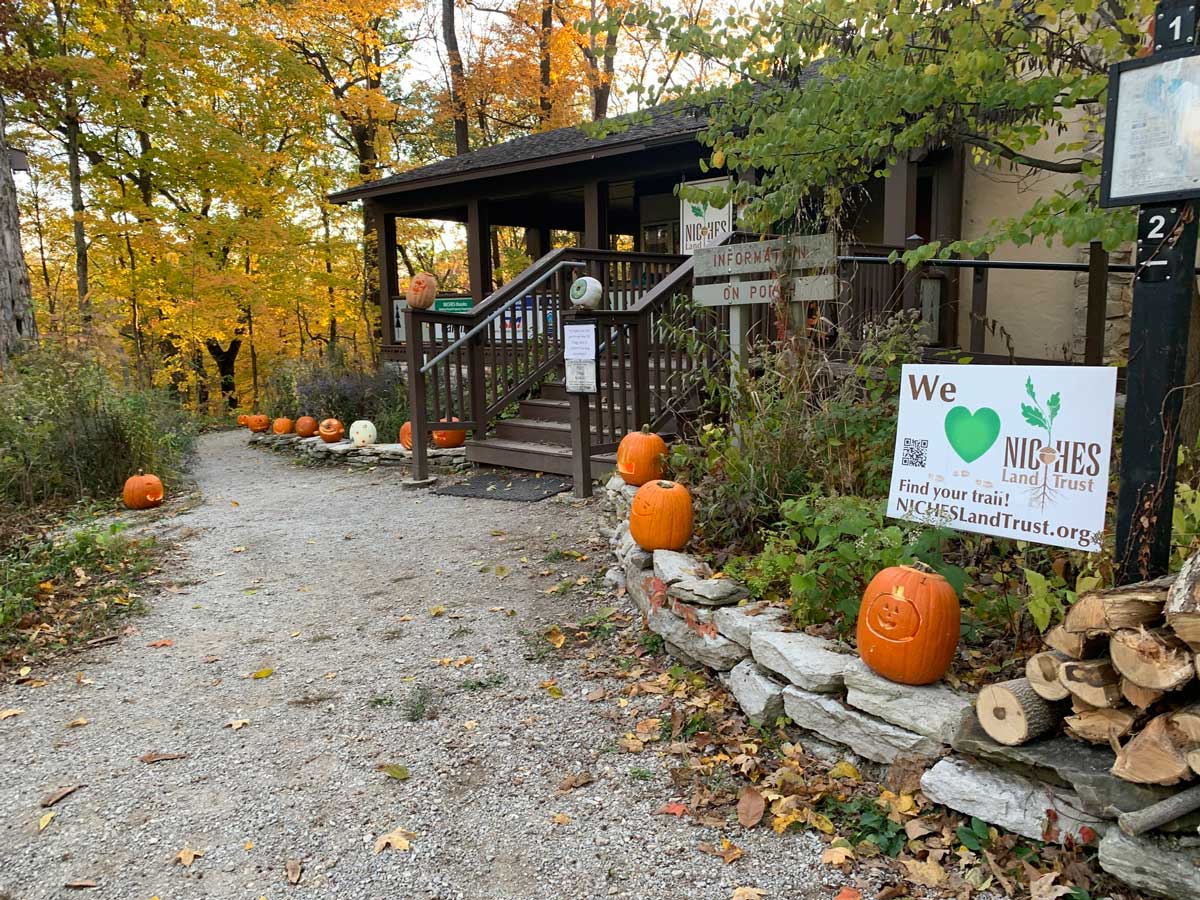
{"x":479,"y":250}
{"x":979,"y":297}
{"x":595,"y":215}
{"x":417,"y":398}
{"x":1158,"y":339}
{"x":899,"y":202}
{"x":640,"y":369}
{"x":389,"y":288}
{"x":1097,"y":305}
{"x":581,"y":445}
{"x":537,"y":241}
{"x":478,"y":385}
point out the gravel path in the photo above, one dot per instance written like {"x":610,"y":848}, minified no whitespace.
{"x":328,"y":577}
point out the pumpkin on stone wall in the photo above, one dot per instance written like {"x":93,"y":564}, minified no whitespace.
{"x":258,"y":423}
{"x":449,"y":437}
{"x":908,"y":625}
{"x":283,"y":425}
{"x":241,"y":419}
{"x":362,"y":433}
{"x":422,"y":290}
{"x":640,"y":456}
{"x":142,"y":491}
{"x":306,"y":426}
{"x":406,"y":435}
{"x":331,"y":431}
{"x":660,"y":517}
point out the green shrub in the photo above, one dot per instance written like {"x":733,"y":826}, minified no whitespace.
{"x":70,"y":430}
{"x":344,"y":392}
{"x":819,"y":558}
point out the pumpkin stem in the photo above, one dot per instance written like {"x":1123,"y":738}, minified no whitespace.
{"x":666,"y":485}
{"x":646,"y":428}
{"x":922,"y":566}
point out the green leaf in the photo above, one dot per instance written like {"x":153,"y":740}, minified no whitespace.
{"x":391,"y":770}
{"x":1034,"y":417}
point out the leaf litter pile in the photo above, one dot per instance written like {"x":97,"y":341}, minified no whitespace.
{"x":886,"y":839}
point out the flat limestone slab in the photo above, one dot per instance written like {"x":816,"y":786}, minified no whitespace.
{"x":738,"y":623}
{"x":1169,"y":867}
{"x":708,"y":591}
{"x":759,"y":695}
{"x":1006,"y":799}
{"x":932,"y":710}
{"x":808,"y":662}
{"x":670,"y":566}
{"x":865,"y":735}
{"x":717,"y":652}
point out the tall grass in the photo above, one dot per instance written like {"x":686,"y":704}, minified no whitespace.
{"x":70,"y":430}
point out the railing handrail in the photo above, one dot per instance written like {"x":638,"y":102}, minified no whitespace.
{"x":518,"y":289}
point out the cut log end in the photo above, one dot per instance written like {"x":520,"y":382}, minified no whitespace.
{"x":1012,"y":713}
{"x":1103,"y":726}
{"x":1094,"y":681}
{"x":1158,"y":754}
{"x":1042,"y":671}
{"x":1154,"y":659}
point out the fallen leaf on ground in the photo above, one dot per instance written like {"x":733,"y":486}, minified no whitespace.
{"x":154,"y":756}
{"x":391,"y":770}
{"x":237,"y":724}
{"x":470,"y":724}
{"x":502,"y":571}
{"x":45,"y":820}
{"x":249,"y":845}
{"x":237,"y":549}
{"x":848,"y":893}
{"x":928,"y":873}
{"x":263,"y":673}
{"x":750,"y":807}
{"x":837,"y":856}
{"x":578,"y":780}
{"x":80,"y":883}
{"x":10,"y":713}
{"x":1044,"y":888}
{"x":61,"y":794}
{"x":162,"y":642}
{"x":595,"y":695}
{"x":82,"y":680}
{"x":187,"y":856}
{"x":399,"y":839}
{"x":747,"y":893}
{"x":77,"y":723}
{"x":23,"y":671}
{"x":845,"y":770}
{"x":728,"y":851}
{"x":295,"y":869}
{"x":679,"y":810}
{"x":916,"y":828}
{"x":561,"y":819}
{"x":892,"y":892}
{"x":556,"y":638}
{"x":551,"y":687}
{"x":436,"y":611}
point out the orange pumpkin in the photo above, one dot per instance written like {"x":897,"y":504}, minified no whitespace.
{"x":640,"y":456}
{"x":660,"y":517}
{"x":241,"y":419}
{"x":406,"y":435}
{"x":908,"y":625}
{"x":282,"y":425}
{"x":331,"y":431}
{"x":306,"y":426}
{"x":258,"y":423}
{"x":422,"y":291}
{"x":449,"y":438}
{"x":142,"y":491}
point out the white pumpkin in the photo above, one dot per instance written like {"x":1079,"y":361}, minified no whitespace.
{"x":587,"y":292}
{"x":362,"y":433}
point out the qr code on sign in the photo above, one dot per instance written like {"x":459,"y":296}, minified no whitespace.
{"x":915,"y":453}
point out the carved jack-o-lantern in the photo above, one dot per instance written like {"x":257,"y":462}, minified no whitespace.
{"x":422,"y":290}
{"x":908,"y":625}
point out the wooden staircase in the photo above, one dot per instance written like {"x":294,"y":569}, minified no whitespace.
{"x":538,"y":438}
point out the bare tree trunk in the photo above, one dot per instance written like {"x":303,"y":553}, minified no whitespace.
{"x":74,"y":174}
{"x":458,"y":79}
{"x":17,"y":323}
{"x":226,"y":360}
{"x":329,"y":292}
{"x":545,"y":105}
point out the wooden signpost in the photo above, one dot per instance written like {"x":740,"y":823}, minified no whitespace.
{"x":782,"y":259}
{"x":1152,"y":159}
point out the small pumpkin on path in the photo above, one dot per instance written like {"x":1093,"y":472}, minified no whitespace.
{"x":142,"y":491}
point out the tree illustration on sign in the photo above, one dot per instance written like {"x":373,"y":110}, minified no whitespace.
{"x":698,"y":211}
{"x":1043,"y":418}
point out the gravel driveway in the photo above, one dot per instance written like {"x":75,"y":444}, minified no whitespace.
{"x":327,"y":578}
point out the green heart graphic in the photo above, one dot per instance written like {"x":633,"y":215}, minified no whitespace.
{"x":972,"y":434}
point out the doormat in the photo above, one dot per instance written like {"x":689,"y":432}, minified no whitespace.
{"x":509,"y":486}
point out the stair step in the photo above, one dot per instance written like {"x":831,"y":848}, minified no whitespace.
{"x":530,"y":456}
{"x":534,"y":431}
{"x":558,"y":410}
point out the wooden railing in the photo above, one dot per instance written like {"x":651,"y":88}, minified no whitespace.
{"x":465,"y":369}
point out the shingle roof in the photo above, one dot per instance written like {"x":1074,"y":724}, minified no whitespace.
{"x":661,"y":123}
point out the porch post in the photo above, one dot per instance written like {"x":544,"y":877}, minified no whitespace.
{"x":479,"y":250}
{"x":537,"y":241}
{"x":595,"y":215}
{"x":899,"y":203}
{"x":389,"y":289}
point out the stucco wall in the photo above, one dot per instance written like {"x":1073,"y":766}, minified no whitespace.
{"x":1035,"y":308}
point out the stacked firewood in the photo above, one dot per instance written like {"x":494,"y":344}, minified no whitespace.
{"x":1122,"y":668}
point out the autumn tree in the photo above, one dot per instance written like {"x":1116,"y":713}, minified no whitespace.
{"x":17,"y":323}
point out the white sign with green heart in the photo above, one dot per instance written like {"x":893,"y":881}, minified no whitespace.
{"x":1014,"y":451}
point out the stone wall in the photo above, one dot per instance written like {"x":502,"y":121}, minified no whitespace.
{"x":316,"y":450}
{"x":1055,"y":789}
